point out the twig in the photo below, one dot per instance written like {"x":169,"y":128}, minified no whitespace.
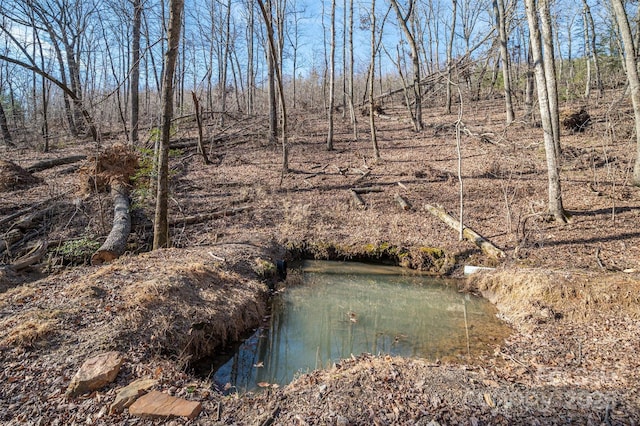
{"x":598,"y":258}
{"x":272,"y":417}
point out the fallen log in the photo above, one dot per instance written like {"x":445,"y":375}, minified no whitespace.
{"x":199,"y":218}
{"x":367,"y":189}
{"x":404,"y":205}
{"x":469,"y":234}
{"x":356,"y":199}
{"x":53,"y":162}
{"x":31,"y":220}
{"x":116,"y":241}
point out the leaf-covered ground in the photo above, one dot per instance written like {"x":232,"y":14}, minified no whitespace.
{"x":570,"y":292}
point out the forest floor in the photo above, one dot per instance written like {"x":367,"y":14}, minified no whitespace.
{"x":569,"y":291}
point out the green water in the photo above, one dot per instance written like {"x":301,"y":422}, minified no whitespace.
{"x":350,"y":308}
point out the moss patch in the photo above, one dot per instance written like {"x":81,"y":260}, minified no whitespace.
{"x":426,"y":259}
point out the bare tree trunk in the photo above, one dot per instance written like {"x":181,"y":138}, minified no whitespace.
{"x":501,"y":22}
{"x":283,"y":106}
{"x":454,"y":13}
{"x":550,"y":72}
{"x":6,"y":134}
{"x":332,"y":75}
{"x":415,"y":61}
{"x":352,"y":109}
{"x":372,"y":72}
{"x":587,"y":55}
{"x":135,"y":70}
{"x":529,"y":86}
{"x":632,"y":76}
{"x":555,"y":193}
{"x":161,"y":224}
{"x":271,"y":84}
{"x":593,"y":48}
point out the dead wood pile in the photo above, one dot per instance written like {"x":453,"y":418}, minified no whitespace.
{"x":13,"y":177}
{"x":576,"y":121}
{"x":117,"y":163}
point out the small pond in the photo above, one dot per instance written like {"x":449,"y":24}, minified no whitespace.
{"x":345,"y":308}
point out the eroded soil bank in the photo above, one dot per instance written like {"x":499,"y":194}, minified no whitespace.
{"x":572,"y":356}
{"x":570,"y":292}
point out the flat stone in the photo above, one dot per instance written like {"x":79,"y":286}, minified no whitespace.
{"x":128,"y":395}
{"x":95,"y":373}
{"x":156,"y":404}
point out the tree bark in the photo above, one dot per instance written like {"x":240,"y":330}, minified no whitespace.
{"x":454,"y":14}
{"x":469,"y":234}
{"x":549,"y":63}
{"x":116,"y":241}
{"x":6,"y":134}
{"x":372,"y":68}
{"x":632,"y":77}
{"x":135,"y":70}
{"x":501,"y":21}
{"x":332,"y":76}
{"x":415,"y":61}
{"x":161,"y":225}
{"x":198,"y":112}
{"x":276,"y":68}
{"x":53,"y":162}
{"x":555,"y":193}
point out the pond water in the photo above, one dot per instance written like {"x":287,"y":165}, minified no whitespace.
{"x":345,"y":308}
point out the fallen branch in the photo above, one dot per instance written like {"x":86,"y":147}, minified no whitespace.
{"x":9,"y":238}
{"x":53,"y":162}
{"x":26,"y":210}
{"x":116,"y":241}
{"x":201,"y":150}
{"x":189,"y":220}
{"x":363,"y":175}
{"x":367,"y":189}
{"x":356,"y":199}
{"x":469,"y":234}
{"x":404,"y":205}
{"x":32,"y":257}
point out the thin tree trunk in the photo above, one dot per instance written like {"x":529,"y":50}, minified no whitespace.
{"x":594,"y":48}
{"x":415,"y":61}
{"x":555,"y":193}
{"x":6,"y":134}
{"x":352,"y":109}
{"x":449,"y":96}
{"x":276,"y":67}
{"x":161,"y":225}
{"x":501,"y":22}
{"x":587,"y":55}
{"x":632,"y":76}
{"x":550,"y":72}
{"x":372,"y":71}
{"x":332,"y":75}
{"x":135,"y":70}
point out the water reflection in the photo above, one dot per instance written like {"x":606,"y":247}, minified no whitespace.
{"x":334,"y":315}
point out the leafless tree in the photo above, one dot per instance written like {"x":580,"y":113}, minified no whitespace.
{"x":415,"y":61}
{"x":273,"y":54}
{"x":161,"y":223}
{"x":556,"y":208}
{"x":332,"y":75}
{"x":452,"y":34}
{"x":372,"y":71}
{"x":632,"y":76}
{"x":501,"y":23}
